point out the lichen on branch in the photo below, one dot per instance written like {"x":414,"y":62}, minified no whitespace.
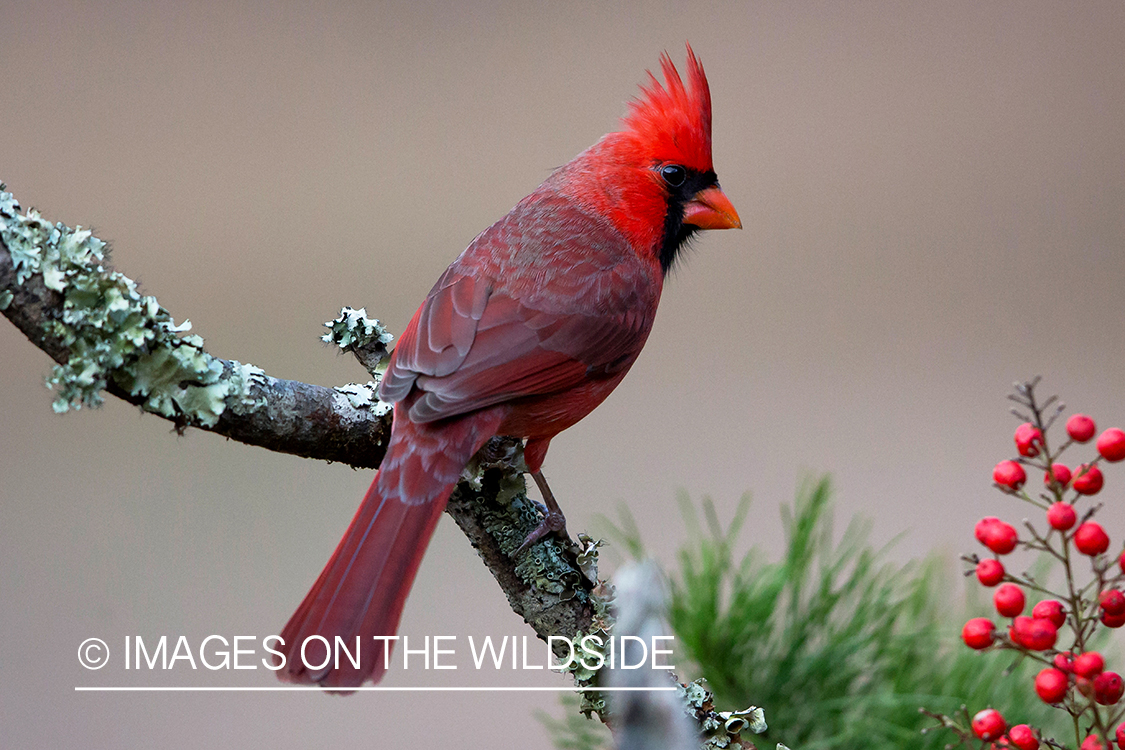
{"x":365,"y":337}
{"x":57,"y":286}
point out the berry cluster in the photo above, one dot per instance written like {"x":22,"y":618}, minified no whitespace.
{"x":1076,"y":679}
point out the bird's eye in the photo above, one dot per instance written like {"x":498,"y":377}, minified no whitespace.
{"x":673,"y":174}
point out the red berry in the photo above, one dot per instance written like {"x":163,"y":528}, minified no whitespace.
{"x":1009,"y":600}
{"x":1032,"y":634}
{"x":1121,"y":561}
{"x":998,"y":536}
{"x":989,"y":724}
{"x":1111,"y":444}
{"x":1018,"y":633}
{"x":1042,"y":635}
{"x":1092,"y":742}
{"x":1080,"y":428}
{"x":984,"y":527}
{"x":1023,"y":737}
{"x":1009,"y":474}
{"x":1112,"y":621}
{"x":1089,"y":664}
{"x":1108,"y":688}
{"x":1121,"y":735}
{"x":1061,"y":472}
{"x":1004,"y":539}
{"x":1064,"y":661}
{"x":1051,"y":685}
{"x":990,"y":572}
{"x":1028,"y":439}
{"x":1112,"y":601}
{"x":1091,"y":539}
{"x":978,"y":633}
{"x":1050,"y":610}
{"x":1087,"y":480}
{"x":1061,"y":516}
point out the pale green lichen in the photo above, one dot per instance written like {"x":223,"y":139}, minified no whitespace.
{"x":511,"y":487}
{"x":6,"y":298}
{"x":353,"y":331}
{"x":508,"y":518}
{"x":752,"y":718}
{"x":589,"y":651}
{"x":365,"y":396}
{"x":507,"y":457}
{"x":113,"y":332}
{"x":587,"y":556}
{"x":590,"y":654}
{"x":696,"y":694}
{"x":593,"y":702}
{"x":545,"y":566}
{"x":720,"y":729}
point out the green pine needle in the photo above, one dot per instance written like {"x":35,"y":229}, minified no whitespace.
{"x":840,"y":646}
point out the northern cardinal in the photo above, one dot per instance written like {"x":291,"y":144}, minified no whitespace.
{"x":523,"y":335}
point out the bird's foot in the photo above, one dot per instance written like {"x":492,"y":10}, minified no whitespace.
{"x":551,"y":523}
{"x":553,"y":519}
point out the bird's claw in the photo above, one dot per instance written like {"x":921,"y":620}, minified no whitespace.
{"x":553,"y":522}
{"x":553,"y":519}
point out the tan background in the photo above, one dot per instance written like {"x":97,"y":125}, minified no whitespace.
{"x":934,"y":201}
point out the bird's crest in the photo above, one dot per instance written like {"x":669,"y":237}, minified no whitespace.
{"x":674,"y":120}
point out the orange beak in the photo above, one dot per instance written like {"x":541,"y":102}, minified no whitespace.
{"x":711,"y":209}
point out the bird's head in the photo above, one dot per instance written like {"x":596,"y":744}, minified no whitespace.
{"x":654,"y":179}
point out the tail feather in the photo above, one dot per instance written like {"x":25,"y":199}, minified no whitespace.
{"x":363,"y":588}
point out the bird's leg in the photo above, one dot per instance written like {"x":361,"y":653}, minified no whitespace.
{"x":553,"y":519}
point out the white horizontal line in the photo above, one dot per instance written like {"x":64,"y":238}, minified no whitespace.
{"x":365,"y":688}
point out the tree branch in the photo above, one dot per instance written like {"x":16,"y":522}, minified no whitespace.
{"x":57,"y":287}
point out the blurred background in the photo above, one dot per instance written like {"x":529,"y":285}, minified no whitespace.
{"x":934,"y":205}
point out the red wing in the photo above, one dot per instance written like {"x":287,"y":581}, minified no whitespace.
{"x":561,"y":307}
{"x":515,"y":351}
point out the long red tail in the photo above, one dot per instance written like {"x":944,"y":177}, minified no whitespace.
{"x":362,"y":589}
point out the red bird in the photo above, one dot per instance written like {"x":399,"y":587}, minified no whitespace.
{"x":523,"y":335}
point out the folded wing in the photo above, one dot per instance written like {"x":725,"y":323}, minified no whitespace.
{"x":482,"y":338}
